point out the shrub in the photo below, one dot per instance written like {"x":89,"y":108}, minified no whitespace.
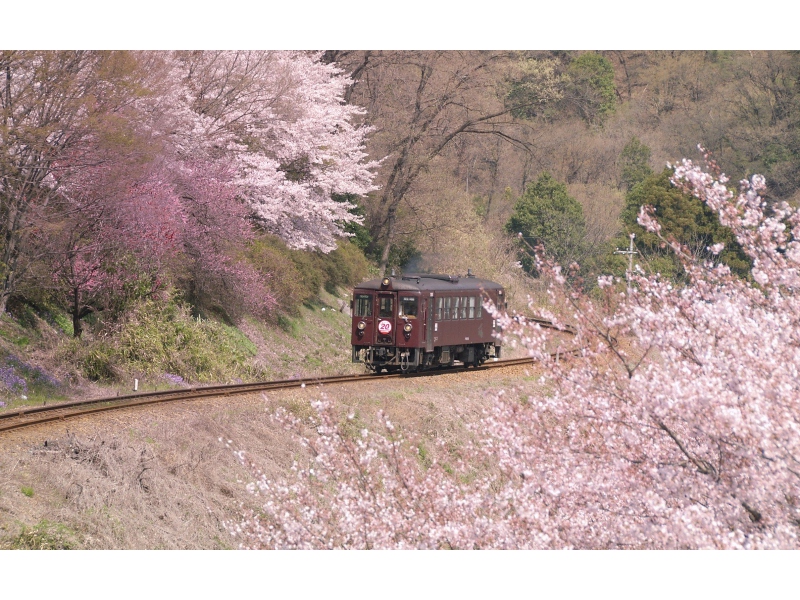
{"x":162,"y":336}
{"x":296,"y":277}
{"x":42,"y":536}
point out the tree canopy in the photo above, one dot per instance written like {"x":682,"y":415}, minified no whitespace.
{"x":160,"y":166}
{"x":634,"y":163}
{"x":682,"y":217}
{"x":592,"y":87}
{"x":547,"y":215}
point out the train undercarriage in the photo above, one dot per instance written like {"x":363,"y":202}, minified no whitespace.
{"x":408,"y":360}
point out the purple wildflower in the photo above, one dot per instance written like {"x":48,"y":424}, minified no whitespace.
{"x":13,"y":382}
{"x":174,"y":379}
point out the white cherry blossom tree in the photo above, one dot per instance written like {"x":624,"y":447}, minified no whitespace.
{"x":280,"y":120}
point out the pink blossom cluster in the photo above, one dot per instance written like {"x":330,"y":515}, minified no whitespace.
{"x":671,"y":419}
{"x":170,"y":181}
{"x":278,"y":118}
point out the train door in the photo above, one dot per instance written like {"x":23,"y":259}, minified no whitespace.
{"x":429,"y":325}
{"x":363,"y":311}
{"x":385,"y":310}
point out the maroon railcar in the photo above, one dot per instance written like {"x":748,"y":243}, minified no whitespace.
{"x":418,"y":321}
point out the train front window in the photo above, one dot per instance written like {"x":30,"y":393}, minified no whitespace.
{"x":408,"y":307}
{"x":386,"y":306}
{"x":363,"y":305}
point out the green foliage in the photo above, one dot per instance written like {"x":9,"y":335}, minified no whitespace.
{"x":593,"y":87}
{"x":530,"y":85}
{"x":23,"y":311}
{"x":137,"y":284}
{"x":97,"y":363}
{"x":12,"y":336}
{"x":290,"y":274}
{"x":361,"y":237}
{"x":683,"y":217}
{"x":401,"y":254}
{"x":42,"y":536}
{"x":524,"y":92}
{"x":635,"y":163}
{"x":288,"y":325}
{"x":547,"y":215}
{"x":157,"y":337}
{"x":344,"y":267}
{"x":27,"y":491}
{"x":64,"y":323}
{"x":296,"y":276}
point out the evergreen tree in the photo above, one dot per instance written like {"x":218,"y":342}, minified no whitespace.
{"x":547,"y":215}
{"x":634,"y":163}
{"x":682,"y":216}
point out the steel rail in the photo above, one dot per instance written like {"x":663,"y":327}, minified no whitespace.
{"x":35,"y":415}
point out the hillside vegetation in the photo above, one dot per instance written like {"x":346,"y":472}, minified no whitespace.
{"x":188,"y":217}
{"x":176,"y":213}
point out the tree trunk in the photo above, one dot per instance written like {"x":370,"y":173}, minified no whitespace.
{"x":77,"y":325}
{"x":390,"y":224}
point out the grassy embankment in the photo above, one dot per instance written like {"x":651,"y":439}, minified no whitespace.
{"x":162,"y":479}
{"x":171,"y":342}
{"x":163,"y":345}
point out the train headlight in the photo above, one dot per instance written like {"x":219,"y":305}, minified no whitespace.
{"x":361,"y":325}
{"x":407,"y":327}
{"x":385,"y":281}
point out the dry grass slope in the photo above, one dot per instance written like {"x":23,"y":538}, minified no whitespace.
{"x":160,"y":478}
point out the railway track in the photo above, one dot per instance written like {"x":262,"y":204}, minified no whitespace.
{"x":36,"y":415}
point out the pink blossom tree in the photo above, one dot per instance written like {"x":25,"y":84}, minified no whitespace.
{"x":670,"y":420}
{"x":53,"y":107}
{"x":120,"y":167}
{"x":213,"y":235}
{"x":279,"y":119}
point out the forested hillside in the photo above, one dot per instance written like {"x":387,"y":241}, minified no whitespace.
{"x":465,"y":133}
{"x":227,"y":186}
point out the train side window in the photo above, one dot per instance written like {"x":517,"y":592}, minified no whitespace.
{"x":386,"y":306}
{"x":471,"y":313}
{"x":439,"y":309}
{"x":447,"y":308}
{"x":454,"y":311}
{"x":479,"y":307}
{"x":363,"y":305}
{"x":408,"y":307}
{"x":464,"y":301}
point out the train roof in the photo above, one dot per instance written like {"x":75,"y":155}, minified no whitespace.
{"x":419,"y":282}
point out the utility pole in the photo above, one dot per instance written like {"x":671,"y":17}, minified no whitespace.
{"x":630,"y":252}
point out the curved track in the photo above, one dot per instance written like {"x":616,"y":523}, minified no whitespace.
{"x":34,"y":415}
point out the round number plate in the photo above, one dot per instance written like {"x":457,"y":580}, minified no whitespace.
{"x":385,"y":327}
